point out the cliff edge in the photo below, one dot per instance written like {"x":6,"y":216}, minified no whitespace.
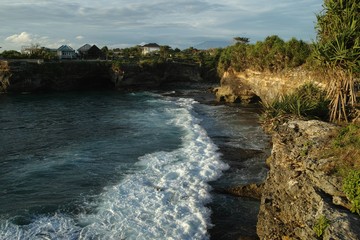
{"x":302,"y":196}
{"x":250,"y":86}
{"x":32,"y":76}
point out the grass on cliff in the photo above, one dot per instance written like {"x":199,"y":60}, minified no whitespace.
{"x":347,"y":147}
{"x":346,"y":151}
{"x":308,"y":101}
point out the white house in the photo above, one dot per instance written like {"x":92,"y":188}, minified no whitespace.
{"x":149,"y":48}
{"x":66,"y":52}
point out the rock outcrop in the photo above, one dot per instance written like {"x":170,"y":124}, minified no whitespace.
{"x":300,"y":190}
{"x":250,"y":86}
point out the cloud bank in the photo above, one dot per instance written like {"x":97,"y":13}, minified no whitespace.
{"x":181,"y":23}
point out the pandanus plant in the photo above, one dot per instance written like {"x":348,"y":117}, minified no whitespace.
{"x":338,"y":50}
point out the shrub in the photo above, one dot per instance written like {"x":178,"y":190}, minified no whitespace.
{"x":273,"y":54}
{"x":351,"y":188}
{"x":320,"y":226}
{"x":307,"y":101}
{"x":297,"y":52}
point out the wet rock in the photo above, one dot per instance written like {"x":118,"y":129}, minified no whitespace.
{"x":251,"y":191}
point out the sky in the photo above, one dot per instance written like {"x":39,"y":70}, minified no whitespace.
{"x":177,"y":23}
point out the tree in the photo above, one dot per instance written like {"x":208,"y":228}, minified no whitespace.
{"x":165,"y":51}
{"x":11,"y":54}
{"x":338,"y":50}
{"x":297,"y":52}
{"x":105,"y":51}
{"x":242,"y":40}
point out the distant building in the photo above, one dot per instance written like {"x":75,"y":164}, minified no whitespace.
{"x":90,"y":52}
{"x":83,"y":50}
{"x":150,"y":48}
{"x":66,"y":52}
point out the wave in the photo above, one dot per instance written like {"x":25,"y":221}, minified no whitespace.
{"x":166,"y":199}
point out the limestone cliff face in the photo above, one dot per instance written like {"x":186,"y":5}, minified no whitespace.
{"x":245,"y":86}
{"x":299,"y":190}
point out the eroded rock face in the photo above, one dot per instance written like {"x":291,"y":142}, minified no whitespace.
{"x":233,"y":89}
{"x":299,"y":188}
{"x":261,"y":85}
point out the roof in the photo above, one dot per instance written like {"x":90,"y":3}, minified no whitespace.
{"x":94,"y":48}
{"x":84,"y":48}
{"x":65,"y":48}
{"x":153,"y":45}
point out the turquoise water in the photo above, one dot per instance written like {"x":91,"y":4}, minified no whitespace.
{"x":107,"y":165}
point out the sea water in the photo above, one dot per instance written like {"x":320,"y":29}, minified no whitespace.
{"x":107,"y":165}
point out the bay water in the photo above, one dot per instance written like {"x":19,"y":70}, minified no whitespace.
{"x":111,"y":165}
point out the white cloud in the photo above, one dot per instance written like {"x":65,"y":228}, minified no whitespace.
{"x":21,"y":38}
{"x":128,"y":22}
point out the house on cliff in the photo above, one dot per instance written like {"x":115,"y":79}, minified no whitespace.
{"x":66,"y":52}
{"x":150,"y":48}
{"x":90,"y":52}
{"x":82,"y":51}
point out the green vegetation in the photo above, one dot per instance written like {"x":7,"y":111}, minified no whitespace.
{"x":351,"y":187}
{"x":273,"y":54}
{"x":348,"y":135}
{"x":207,"y":60}
{"x":338,"y":52}
{"x":307,"y":101}
{"x":345,"y":148}
{"x":11,"y":54}
{"x":320,"y":226}
{"x":34,"y":52}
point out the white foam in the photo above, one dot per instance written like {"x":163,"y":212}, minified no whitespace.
{"x":164,"y":200}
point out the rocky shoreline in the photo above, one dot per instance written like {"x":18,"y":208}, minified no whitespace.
{"x":300,"y":193}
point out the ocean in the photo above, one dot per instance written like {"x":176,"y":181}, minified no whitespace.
{"x":114,"y":165}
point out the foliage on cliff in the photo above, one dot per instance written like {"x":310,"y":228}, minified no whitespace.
{"x":308,"y":101}
{"x":338,"y":51}
{"x":36,"y":52}
{"x":206,"y":60}
{"x":273,"y":54}
{"x":345,"y":148}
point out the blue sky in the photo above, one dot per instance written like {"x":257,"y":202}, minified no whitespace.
{"x":177,"y":23}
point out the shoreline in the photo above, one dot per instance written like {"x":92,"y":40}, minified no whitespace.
{"x":233,"y":216}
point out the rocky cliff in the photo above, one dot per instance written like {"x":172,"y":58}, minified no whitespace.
{"x":300,"y":190}
{"x":31,"y":76}
{"x":301,"y":198}
{"x":154,"y":76}
{"x":250,"y":86}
